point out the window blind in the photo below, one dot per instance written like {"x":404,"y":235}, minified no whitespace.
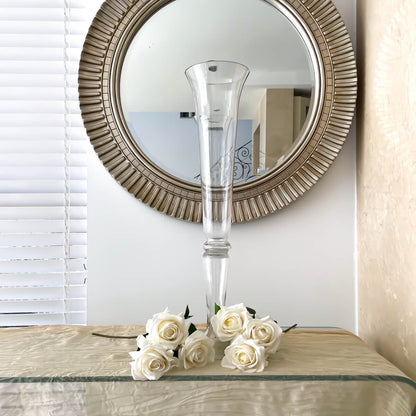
{"x":43,"y":230}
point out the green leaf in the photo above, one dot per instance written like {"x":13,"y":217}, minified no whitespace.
{"x":251,"y":311}
{"x":186,"y":316}
{"x":217,"y":308}
{"x":144,"y":336}
{"x":192,"y":329}
{"x":288,"y":329}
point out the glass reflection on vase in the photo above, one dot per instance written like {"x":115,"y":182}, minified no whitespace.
{"x":216,"y":87}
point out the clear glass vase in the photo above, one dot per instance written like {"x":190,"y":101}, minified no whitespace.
{"x":216,"y":87}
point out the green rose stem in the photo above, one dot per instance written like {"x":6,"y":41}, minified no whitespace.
{"x":114,"y":336}
{"x":290,"y":328}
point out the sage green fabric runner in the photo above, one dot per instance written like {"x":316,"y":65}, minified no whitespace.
{"x":64,"y":370}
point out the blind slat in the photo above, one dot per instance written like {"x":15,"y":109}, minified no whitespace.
{"x":47,"y":147}
{"x":45,"y":4}
{"x":41,"y":239}
{"x":44,"y":134}
{"x":11,"y":172}
{"x":43,"y":293}
{"x":26,"y":160}
{"x":42,"y":185}
{"x":38,"y":54}
{"x":38,"y":199}
{"x":33,"y":226}
{"x":37,"y":119}
{"x":41,"y":279}
{"x":31,"y":94}
{"x":38,"y":15}
{"x":41,"y":213}
{"x":36,"y":67}
{"x":41,"y":252}
{"x":49,"y":107}
{"x":22,"y":319}
{"x":48,"y":28}
{"x":42,"y":79}
{"x":41,"y":266}
{"x":37,"y":40}
{"x":35,"y":305}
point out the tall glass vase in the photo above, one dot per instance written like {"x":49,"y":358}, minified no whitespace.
{"x":216,"y":87}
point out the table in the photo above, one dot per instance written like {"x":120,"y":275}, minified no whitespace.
{"x":64,"y":370}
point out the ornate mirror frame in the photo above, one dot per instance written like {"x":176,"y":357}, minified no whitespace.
{"x":331,"y":51}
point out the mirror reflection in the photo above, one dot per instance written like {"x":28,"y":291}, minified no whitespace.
{"x":275,"y":105}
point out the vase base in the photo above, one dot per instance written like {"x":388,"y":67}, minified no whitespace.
{"x":219,"y":346}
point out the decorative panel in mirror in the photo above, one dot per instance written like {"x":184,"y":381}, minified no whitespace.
{"x":295,"y":112}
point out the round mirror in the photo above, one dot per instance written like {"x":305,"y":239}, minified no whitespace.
{"x":295,"y":111}
{"x":276,"y":103}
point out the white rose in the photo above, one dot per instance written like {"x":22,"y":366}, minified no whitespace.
{"x":197,"y":351}
{"x":151,"y":362}
{"x":167,"y":329}
{"x":265,"y":331}
{"x":246,"y":355}
{"x":229,"y":321}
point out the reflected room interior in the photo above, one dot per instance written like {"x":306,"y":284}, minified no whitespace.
{"x":157,"y":104}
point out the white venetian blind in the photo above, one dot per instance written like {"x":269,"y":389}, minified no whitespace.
{"x":43,"y":232}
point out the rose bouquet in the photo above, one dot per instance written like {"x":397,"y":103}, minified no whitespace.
{"x":252,"y":339}
{"x":171,"y":341}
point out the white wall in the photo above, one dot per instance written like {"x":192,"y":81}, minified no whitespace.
{"x":297,"y":265}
